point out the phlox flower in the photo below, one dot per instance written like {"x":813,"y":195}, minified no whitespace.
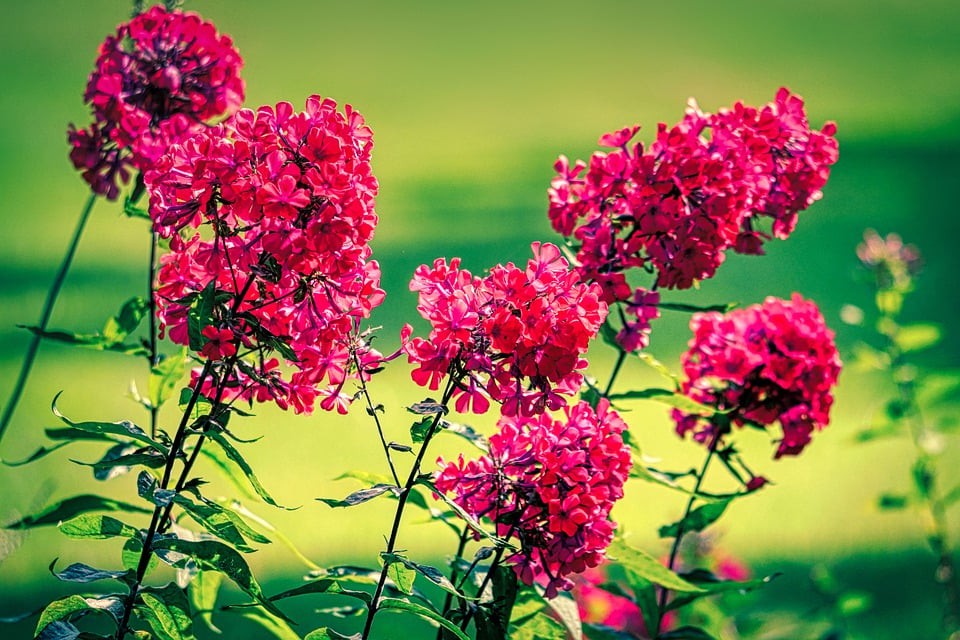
{"x":517,"y":335}
{"x":274,"y":211}
{"x":769,"y":363}
{"x":548,"y":485}
{"x":705,"y":185}
{"x":158,"y":79}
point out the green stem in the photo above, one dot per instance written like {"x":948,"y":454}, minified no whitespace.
{"x":45,"y":317}
{"x":452,"y":382}
{"x":372,"y":410}
{"x":662,"y":600}
{"x":152,"y":311}
{"x":454,"y":574}
{"x":621,"y":357}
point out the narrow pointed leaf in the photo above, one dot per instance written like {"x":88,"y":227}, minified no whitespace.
{"x":432,"y":574}
{"x":273,"y":625}
{"x":697,"y":520}
{"x":36,"y":455}
{"x":693,"y":308}
{"x":395,"y":604}
{"x":167,"y":611}
{"x":472,"y":522}
{"x":324,"y":585}
{"x":239,"y":460}
{"x":712,"y":585}
{"x":165,"y":376}
{"x":648,"y":567}
{"x":324,"y":633}
{"x":79,"y":572}
{"x":70,"y":507}
{"x":202,"y":591}
{"x":126,"y":321}
{"x":667,"y":397}
{"x":123,"y":428}
{"x":361,"y":496}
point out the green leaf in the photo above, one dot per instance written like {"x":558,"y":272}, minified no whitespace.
{"x":200,"y":316}
{"x":693,"y":308}
{"x":73,"y":607}
{"x":402,"y":576}
{"x":210,"y":554}
{"x":917,"y":337}
{"x":239,"y":460}
{"x":659,"y":367}
{"x":366,"y":477}
{"x":602,"y":632}
{"x":394,"y":604}
{"x":686,"y":633}
{"x":126,"y":321}
{"x":66,"y":509}
{"x":203,"y":590}
{"x":363,"y":495}
{"x":565,"y":608}
{"x":670,"y":398}
{"x":221,"y":522}
{"x":712,"y":585}
{"x":164,"y":377}
{"x":324,"y":633}
{"x":893,"y":501}
{"x":88,"y":340}
{"x":63,"y":609}
{"x":167,"y":611}
{"x":420,"y":429}
{"x":493,"y":618}
{"x":36,"y":455}
{"x":466,"y":432}
{"x":243,"y":513}
{"x":276,"y":627}
{"x":432,"y":574}
{"x":79,"y":572}
{"x":113,"y":465}
{"x":697,"y":520}
{"x":427,"y":407}
{"x":324,"y":585}
{"x":133,"y":211}
{"x":124,"y":428}
{"x":646,"y":597}
{"x":648,"y":567}
{"x":228,"y":470}
{"x":539,"y":626}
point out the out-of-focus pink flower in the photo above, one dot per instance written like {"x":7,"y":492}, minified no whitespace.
{"x":770,"y":363}
{"x":549,"y":485}
{"x":156,"y":80}
{"x":517,"y":336}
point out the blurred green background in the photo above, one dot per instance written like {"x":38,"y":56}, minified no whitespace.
{"x":470,"y":104}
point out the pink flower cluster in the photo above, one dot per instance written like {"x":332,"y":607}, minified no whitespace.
{"x":517,"y":336}
{"x":156,"y":81}
{"x":274,"y":209}
{"x":549,"y":485}
{"x":676,"y":207}
{"x":773,"y":362}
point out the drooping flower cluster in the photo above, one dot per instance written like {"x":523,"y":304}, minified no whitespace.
{"x":156,"y":81}
{"x":549,"y":485}
{"x":517,"y":336}
{"x":269,"y":216}
{"x":767,"y":363}
{"x":676,"y":207}
{"x":892,"y":262}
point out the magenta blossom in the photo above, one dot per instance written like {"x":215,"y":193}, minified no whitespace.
{"x":677,"y":206}
{"x":271,"y":213}
{"x":157,"y":80}
{"x":769,"y":363}
{"x":517,"y":336}
{"x":548,"y":485}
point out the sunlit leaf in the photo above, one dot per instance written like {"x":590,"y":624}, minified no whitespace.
{"x":647,"y":567}
{"x":167,"y":611}
{"x":70,"y":507}
{"x":917,"y":337}
{"x":276,"y":627}
{"x":165,"y":376}
{"x":202,"y":591}
{"x":79,"y":572}
{"x":324,"y":585}
{"x":123,"y":428}
{"x":239,"y":460}
{"x":395,"y":604}
{"x":712,"y":585}
{"x":363,"y":495}
{"x":697,"y":520}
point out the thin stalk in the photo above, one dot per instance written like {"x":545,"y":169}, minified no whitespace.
{"x":662,"y":600}
{"x":483,"y":585}
{"x":152,"y":311}
{"x":461,"y":547}
{"x":401,"y":503}
{"x":158,"y":509}
{"x":621,"y":357}
{"x":372,"y":410}
{"x":45,"y":316}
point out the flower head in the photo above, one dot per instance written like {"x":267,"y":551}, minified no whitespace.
{"x":549,"y":485}
{"x":269,"y":216}
{"x":774,"y":362}
{"x":156,"y":80}
{"x":517,"y":335}
{"x":677,"y":206}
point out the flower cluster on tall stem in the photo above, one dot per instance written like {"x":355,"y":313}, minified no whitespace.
{"x":269,"y":216}
{"x":156,"y":81}
{"x":550,"y":485}
{"x":774,"y":362}
{"x":676,"y":207}
{"x":518,"y":335}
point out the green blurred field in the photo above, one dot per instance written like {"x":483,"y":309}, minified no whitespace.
{"x":470,"y":105}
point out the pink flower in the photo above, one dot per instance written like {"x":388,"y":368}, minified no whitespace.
{"x":549,"y":485}
{"x":160,"y":66}
{"x":275,"y":210}
{"x":219,"y":343}
{"x":516,"y":336}
{"x":765,"y":364}
{"x":677,"y":206}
